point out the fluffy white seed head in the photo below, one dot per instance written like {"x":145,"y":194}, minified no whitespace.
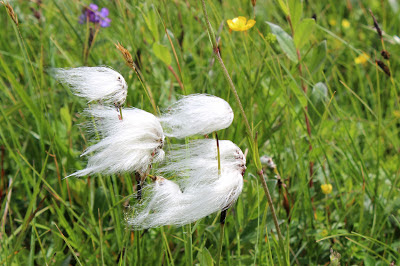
{"x":158,"y":197}
{"x":95,"y":83}
{"x":198,"y":160}
{"x":166,"y":204}
{"x":196,"y":114}
{"x":127,"y":145}
{"x":199,"y":189}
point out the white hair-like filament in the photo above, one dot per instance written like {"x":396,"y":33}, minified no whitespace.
{"x":95,"y":83}
{"x":127,"y":145}
{"x":199,"y":190}
{"x":196,"y":114}
{"x":166,"y":204}
{"x":199,"y":160}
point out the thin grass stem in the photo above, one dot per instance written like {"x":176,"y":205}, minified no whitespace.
{"x":221,"y":239}
{"x":253,"y":143}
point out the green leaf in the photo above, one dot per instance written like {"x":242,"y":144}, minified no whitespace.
{"x":318,"y":57}
{"x":318,"y":98}
{"x":303,"y":31}
{"x":150,"y":19}
{"x":300,"y":96}
{"x":369,"y":261}
{"x":66,"y":117}
{"x":285,"y":41}
{"x":295,"y":11}
{"x":205,"y":257}
{"x":162,"y":53}
{"x":284,"y":7}
{"x":319,"y":92}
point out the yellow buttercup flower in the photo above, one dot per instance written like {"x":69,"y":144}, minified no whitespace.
{"x":326,"y":188}
{"x":361,"y":59}
{"x":332,"y":22}
{"x":240,"y":23}
{"x":345,"y":24}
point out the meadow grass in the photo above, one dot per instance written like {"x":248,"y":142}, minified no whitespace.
{"x":353,"y":131}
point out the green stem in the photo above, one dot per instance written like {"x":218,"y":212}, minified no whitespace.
{"x":120,"y":112}
{"x":218,"y":155}
{"x":306,"y":118}
{"x":137,"y":236}
{"x":253,"y":143}
{"x":270,"y":203}
{"x":221,"y":238}
{"x":188,"y":249}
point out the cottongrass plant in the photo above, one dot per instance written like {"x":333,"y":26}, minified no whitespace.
{"x":196,"y":114}
{"x":101,"y":84}
{"x":197,"y":193}
{"x":127,"y":145}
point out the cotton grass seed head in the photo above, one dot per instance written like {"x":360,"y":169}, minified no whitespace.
{"x":95,"y":83}
{"x":161,"y":199}
{"x":199,"y":189}
{"x":199,"y":160}
{"x":127,"y":145}
{"x":166,"y":204}
{"x":196,"y":114}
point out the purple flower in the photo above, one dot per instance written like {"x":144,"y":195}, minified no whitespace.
{"x":92,"y":14}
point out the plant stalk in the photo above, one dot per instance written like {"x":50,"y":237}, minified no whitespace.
{"x":248,"y":128}
{"x":221,"y":236}
{"x":304,"y":88}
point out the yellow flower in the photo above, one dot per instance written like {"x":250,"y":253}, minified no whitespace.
{"x":326,"y":188}
{"x":240,"y":23}
{"x":361,"y":59}
{"x":332,"y":22}
{"x":345,"y":24}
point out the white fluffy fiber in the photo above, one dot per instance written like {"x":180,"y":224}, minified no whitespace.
{"x":198,"y":160}
{"x":127,"y":145}
{"x":166,"y":204}
{"x":199,"y":190}
{"x":196,"y":114}
{"x":94,"y":83}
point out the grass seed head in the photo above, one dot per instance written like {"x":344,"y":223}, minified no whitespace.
{"x":10,"y":12}
{"x":127,"y":56}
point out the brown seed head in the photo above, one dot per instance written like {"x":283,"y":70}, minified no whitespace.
{"x":127,"y":56}
{"x":10,"y":12}
{"x":376,"y":25}
{"x":385,"y":54}
{"x":253,"y":2}
{"x":384,"y":67}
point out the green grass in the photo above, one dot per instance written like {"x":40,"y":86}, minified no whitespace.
{"x":355,"y":133}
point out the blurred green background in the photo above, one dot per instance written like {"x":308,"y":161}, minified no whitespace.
{"x":353,"y":107}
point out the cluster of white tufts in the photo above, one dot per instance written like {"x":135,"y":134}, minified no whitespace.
{"x":95,"y":83}
{"x":134,"y":141}
{"x":200,"y":189}
{"x":198,"y":159}
{"x":126,"y":145}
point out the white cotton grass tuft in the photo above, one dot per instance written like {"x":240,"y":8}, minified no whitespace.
{"x":166,"y":204}
{"x":127,"y":145}
{"x":196,"y":114}
{"x":199,"y":189}
{"x":198,"y":160}
{"x":94,"y":83}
